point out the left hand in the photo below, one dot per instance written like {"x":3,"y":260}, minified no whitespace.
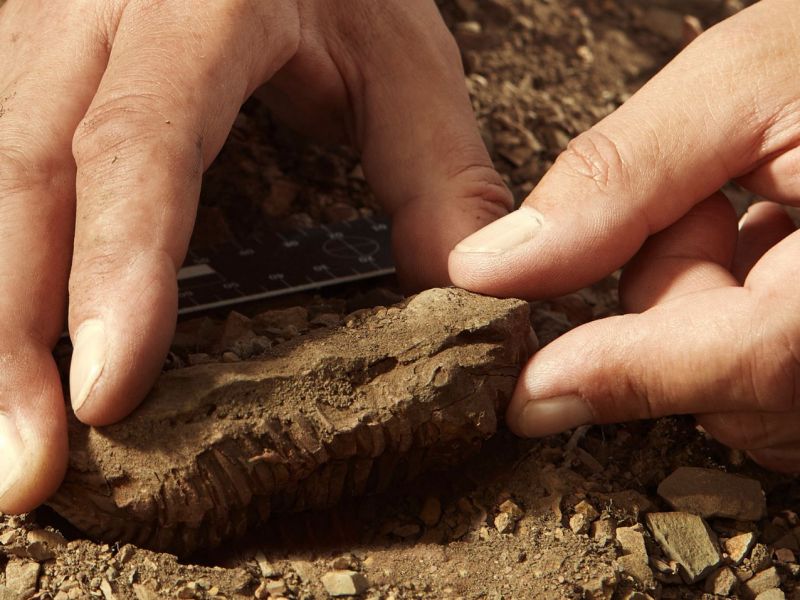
{"x":717,"y":326}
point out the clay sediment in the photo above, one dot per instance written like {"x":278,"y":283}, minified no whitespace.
{"x":216,"y":449}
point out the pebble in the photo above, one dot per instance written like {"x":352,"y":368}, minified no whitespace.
{"x":431,"y":511}
{"x":773,"y":594}
{"x":7,"y":594}
{"x":579,"y":523}
{"x":784,"y":555}
{"x":712,"y":493}
{"x":22,"y":576}
{"x":504,"y":523}
{"x":266,"y":568}
{"x":739,"y":546}
{"x":276,"y":587}
{"x":634,"y":566}
{"x":762,"y":582}
{"x":603,"y":531}
{"x":344,"y":583}
{"x":512,"y":509}
{"x":722,"y":582}
{"x":686,"y":539}
{"x":632,"y":541}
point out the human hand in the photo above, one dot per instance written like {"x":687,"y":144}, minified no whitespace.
{"x":717,"y":326}
{"x":110,"y":110}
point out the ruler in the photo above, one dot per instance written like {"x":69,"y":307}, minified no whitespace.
{"x":272,"y":264}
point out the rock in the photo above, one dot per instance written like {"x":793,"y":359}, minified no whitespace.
{"x":266,"y":568}
{"x":504,"y":523}
{"x":762,"y":582}
{"x":512,"y":509}
{"x":301,"y":427}
{"x":739,"y":546}
{"x":7,"y":594}
{"x":760,"y":558}
{"x":633,"y":566}
{"x":587,"y":510}
{"x":722,"y":582}
{"x":632,"y":541}
{"x":629,"y":501}
{"x":686,"y":539}
{"x":784,"y":555}
{"x":711,"y":493}
{"x":344,"y":583}
{"x":773,"y":594}
{"x":22,"y":577}
{"x":343,"y":563}
{"x":431,"y":511}
{"x":579,"y":524}
{"x":43,"y":543}
{"x":603,"y":531}
{"x":276,"y":587}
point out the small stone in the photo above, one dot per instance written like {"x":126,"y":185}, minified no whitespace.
{"x":633,"y":566}
{"x":773,"y":594}
{"x":261,"y":592}
{"x":276,"y":587}
{"x":722,"y":582}
{"x":266,"y":568}
{"x":125,"y":554}
{"x":763,"y":581}
{"x":686,"y":539}
{"x":711,"y":493}
{"x":7,"y":594}
{"x":739,"y":546}
{"x":512,"y":509}
{"x":431,"y":511}
{"x":579,"y":524}
{"x":504,"y":523}
{"x":105,"y":588}
{"x":603,"y":531}
{"x":344,"y":583}
{"x":587,"y":510}
{"x":22,"y":577}
{"x":230,"y":357}
{"x":344,"y":562}
{"x":760,"y":558}
{"x":632,"y":541}
{"x":42,"y":544}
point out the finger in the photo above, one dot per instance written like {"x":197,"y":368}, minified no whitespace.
{"x":719,"y":350}
{"x":785,"y":459}
{"x":422,"y":151}
{"x":643,"y":167}
{"x":762,"y":226}
{"x":751,"y":430}
{"x":692,"y":255}
{"x":778,"y":179}
{"x":49,"y":70}
{"x":175,"y":80}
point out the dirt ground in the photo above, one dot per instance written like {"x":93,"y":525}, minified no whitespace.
{"x":563,"y":517}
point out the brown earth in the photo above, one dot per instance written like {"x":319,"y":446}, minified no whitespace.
{"x":522,"y":519}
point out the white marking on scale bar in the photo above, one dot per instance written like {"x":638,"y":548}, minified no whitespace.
{"x":298,"y":288}
{"x":193,"y":271}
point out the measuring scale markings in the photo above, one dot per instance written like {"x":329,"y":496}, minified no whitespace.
{"x":271,"y":264}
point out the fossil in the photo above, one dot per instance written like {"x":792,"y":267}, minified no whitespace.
{"x":216,"y":449}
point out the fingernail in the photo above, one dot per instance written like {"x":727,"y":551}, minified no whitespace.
{"x":88,"y":359}
{"x":743,"y":220}
{"x":11,"y":454}
{"x":506,"y":233}
{"x":553,"y":415}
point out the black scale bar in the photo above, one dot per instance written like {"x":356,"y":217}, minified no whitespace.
{"x":273,"y":264}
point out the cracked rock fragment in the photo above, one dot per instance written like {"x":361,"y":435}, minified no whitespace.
{"x":686,"y":539}
{"x":713,"y":493}
{"x":217,"y":448}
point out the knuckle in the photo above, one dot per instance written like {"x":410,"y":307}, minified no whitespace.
{"x":772,"y":372}
{"x":134,"y":126}
{"x":595,"y":157}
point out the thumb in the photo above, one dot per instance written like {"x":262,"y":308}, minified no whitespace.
{"x":643,"y":167}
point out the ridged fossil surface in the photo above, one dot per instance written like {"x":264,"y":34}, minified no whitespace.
{"x":216,"y":449}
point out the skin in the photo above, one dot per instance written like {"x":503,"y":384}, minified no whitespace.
{"x":714,"y":328}
{"x":103,"y":139}
{"x":112,"y":110}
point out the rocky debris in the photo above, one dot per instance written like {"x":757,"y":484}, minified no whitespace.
{"x":763,"y":581}
{"x":739,"y":546}
{"x":216,"y":448}
{"x":508,"y":516}
{"x":686,"y":539}
{"x":634,"y":561}
{"x":22,"y":577}
{"x":344,"y":583}
{"x":585,"y":515}
{"x":722,"y":582}
{"x":603,"y":531}
{"x":773,"y":594}
{"x":712,"y":493}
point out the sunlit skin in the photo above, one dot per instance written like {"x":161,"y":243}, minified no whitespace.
{"x":715,"y":323}
{"x":112,"y":109}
